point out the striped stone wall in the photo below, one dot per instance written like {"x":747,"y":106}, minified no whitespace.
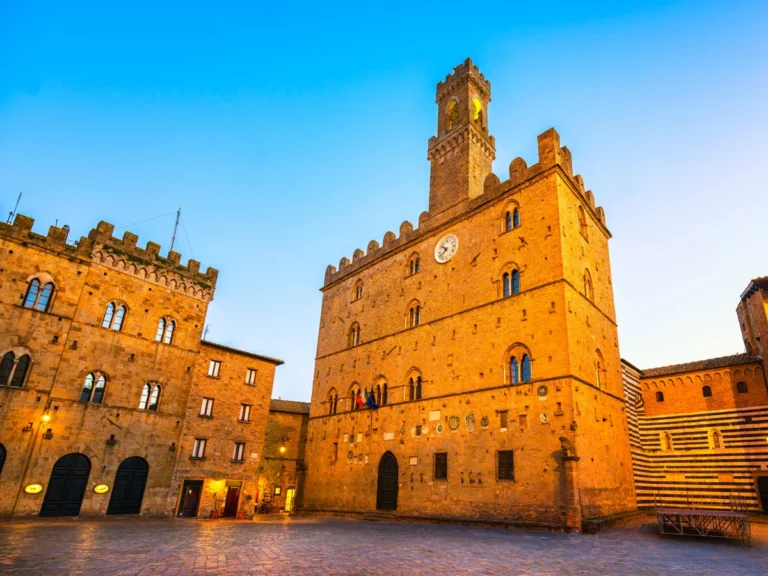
{"x":697,"y":459}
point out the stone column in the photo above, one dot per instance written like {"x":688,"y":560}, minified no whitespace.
{"x":298,"y":498}
{"x":570,"y":486}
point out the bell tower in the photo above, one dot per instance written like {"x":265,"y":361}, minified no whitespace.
{"x":462,"y":152}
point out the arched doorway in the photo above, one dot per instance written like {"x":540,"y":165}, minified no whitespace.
{"x":66,"y":487}
{"x":128,"y":491}
{"x":386,"y":493}
{"x":290,"y":494}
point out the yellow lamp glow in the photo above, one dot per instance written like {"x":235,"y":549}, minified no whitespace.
{"x":282,"y":449}
{"x":33,"y":489}
{"x":46,"y":418}
{"x":101,"y":489}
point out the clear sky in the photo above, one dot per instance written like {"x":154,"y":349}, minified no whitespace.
{"x":294,"y":133}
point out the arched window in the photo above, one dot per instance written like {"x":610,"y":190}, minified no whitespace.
{"x":160,"y":330}
{"x":659,"y":396}
{"x":354,"y":335}
{"x":706,"y":391}
{"x":38,"y":298}
{"x":150,"y":397}
{"x":113,"y":317}
{"x":93,"y":393}
{"x":98,"y":393}
{"x":154,"y":398}
{"x":168,"y":338}
{"x":599,"y":369}
{"x":332,"y":401}
{"x":414,"y":316}
{"x":14,"y":367}
{"x":109,"y":313}
{"x":414,"y":264}
{"x":358,"y":291}
{"x":378,"y":394}
{"x":515,"y":282}
{"x":582,"y":223}
{"x":588,"y":285}
{"x":85,"y":395}
{"x":741,"y":387}
{"x":516,"y":218}
{"x":514,"y":371}
{"x":525,"y":366}
{"x":452,"y":114}
{"x":508,"y":221}
{"x":384,"y":394}
{"x":356,"y":397}
{"x":418,"y":388}
{"x":144,"y":402}
{"x":506,"y":281}
{"x":411,"y":389}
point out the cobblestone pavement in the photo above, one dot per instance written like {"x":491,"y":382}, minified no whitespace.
{"x":338,"y":546}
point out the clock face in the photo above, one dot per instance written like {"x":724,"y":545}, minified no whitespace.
{"x":446,"y":248}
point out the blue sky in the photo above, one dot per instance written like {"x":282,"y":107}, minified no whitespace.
{"x":292,"y":134}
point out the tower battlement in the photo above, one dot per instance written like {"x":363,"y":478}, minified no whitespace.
{"x":122,"y":254}
{"x":464,"y":72}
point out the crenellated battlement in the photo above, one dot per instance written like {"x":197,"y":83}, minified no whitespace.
{"x":121,"y":254}
{"x":464,"y":72}
{"x":551,"y":154}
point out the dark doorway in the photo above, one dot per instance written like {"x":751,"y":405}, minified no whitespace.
{"x":386,"y":494}
{"x":190,"y":498}
{"x":66,"y":487}
{"x":128,"y":491}
{"x":762,"y":489}
{"x":230,"y":506}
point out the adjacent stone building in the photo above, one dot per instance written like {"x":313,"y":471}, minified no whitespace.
{"x":102,"y":372}
{"x":700,"y":430}
{"x":487,"y":338}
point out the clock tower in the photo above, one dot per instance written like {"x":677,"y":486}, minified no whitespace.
{"x":462,"y":152}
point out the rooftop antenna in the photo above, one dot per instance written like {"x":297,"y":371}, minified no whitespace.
{"x":205,"y":332}
{"x":176,"y":228}
{"x":12,"y":213}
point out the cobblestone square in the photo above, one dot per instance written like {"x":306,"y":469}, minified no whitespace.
{"x":332,"y":546}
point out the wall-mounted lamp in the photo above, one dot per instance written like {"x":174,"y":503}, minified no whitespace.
{"x":46,"y":418}
{"x":33,"y":489}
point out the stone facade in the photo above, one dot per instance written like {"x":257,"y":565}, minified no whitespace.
{"x":451,"y":328}
{"x":85,"y":329}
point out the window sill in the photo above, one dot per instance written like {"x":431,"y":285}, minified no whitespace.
{"x":440,"y":479}
{"x":214,"y":377}
{"x":206,"y":416}
{"x":9,"y":387}
{"x":505,"y":479}
{"x":197,"y":458}
{"x":249,"y":384}
{"x":243,"y":421}
{"x":237,"y":461}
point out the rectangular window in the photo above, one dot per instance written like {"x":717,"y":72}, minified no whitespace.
{"x":250,"y":376}
{"x":506,"y":468}
{"x":198,"y":450}
{"x":441,"y":466}
{"x":418,"y":429}
{"x":206,"y":409}
{"x":237,"y":452}
{"x":245,"y":413}
{"x":503,"y":420}
{"x":213,"y":368}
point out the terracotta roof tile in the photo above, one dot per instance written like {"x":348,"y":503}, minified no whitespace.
{"x":279,"y":405}
{"x":735,"y":360}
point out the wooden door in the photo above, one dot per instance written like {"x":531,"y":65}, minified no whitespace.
{"x":190,"y":499}
{"x":230,"y":505}
{"x":66,"y":487}
{"x":128,"y":490}
{"x":386,"y":493}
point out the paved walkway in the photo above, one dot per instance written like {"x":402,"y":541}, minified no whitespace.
{"x":338,"y":546}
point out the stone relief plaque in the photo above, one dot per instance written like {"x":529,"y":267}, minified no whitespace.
{"x":453,"y":422}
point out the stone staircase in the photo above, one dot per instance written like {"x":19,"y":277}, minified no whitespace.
{"x":380,"y":516}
